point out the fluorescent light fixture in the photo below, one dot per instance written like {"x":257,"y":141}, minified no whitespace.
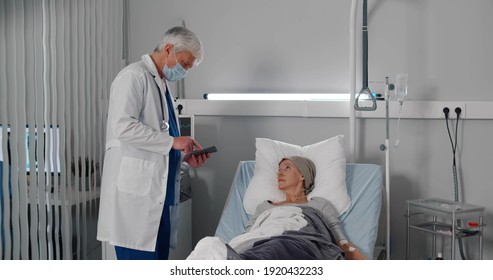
{"x":279,"y":96}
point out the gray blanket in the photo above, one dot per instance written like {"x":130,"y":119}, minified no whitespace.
{"x":315,"y":241}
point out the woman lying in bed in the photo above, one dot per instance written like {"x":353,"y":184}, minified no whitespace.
{"x":295,"y":228}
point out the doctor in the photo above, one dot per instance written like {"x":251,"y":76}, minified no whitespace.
{"x":144,"y":150}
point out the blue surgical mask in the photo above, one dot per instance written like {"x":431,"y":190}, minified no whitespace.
{"x":176,"y":73}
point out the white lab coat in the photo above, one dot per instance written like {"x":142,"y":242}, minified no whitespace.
{"x":135,"y":171}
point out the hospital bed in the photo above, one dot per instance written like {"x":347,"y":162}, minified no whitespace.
{"x":360,"y":221}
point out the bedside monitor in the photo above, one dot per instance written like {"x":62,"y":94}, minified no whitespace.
{"x":187,"y":126}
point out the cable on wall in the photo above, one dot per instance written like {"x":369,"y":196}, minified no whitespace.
{"x":453,"y":143}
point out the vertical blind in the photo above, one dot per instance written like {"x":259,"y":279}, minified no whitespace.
{"x":58,"y":59}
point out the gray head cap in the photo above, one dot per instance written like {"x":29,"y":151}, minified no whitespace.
{"x":307,"y":169}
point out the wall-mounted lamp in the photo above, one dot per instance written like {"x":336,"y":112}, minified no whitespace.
{"x":279,"y":96}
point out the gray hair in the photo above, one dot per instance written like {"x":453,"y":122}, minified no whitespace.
{"x":182,"y":39}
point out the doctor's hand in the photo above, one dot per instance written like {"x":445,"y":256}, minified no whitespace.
{"x":196,"y":161}
{"x":185,"y":144}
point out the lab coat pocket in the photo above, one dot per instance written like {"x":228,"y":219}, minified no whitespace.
{"x":135,"y":176}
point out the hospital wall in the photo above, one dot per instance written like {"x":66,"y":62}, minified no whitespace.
{"x":303,"y":46}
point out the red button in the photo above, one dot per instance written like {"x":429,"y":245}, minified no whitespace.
{"x":473,"y":224}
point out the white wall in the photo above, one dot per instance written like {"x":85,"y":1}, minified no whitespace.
{"x":290,"y":46}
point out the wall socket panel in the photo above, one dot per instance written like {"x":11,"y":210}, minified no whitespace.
{"x":411,"y":109}
{"x":423,"y":109}
{"x":452,"y":114}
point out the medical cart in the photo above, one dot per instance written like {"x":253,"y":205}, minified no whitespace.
{"x":444,"y":218}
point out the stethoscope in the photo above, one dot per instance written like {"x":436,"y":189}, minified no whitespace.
{"x":164,"y":123}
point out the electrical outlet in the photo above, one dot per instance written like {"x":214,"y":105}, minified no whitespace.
{"x":446,"y":111}
{"x":180,"y":105}
{"x":452,"y":107}
{"x":460,"y":109}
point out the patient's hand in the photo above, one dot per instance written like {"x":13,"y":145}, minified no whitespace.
{"x":351,"y":251}
{"x":355,"y":255}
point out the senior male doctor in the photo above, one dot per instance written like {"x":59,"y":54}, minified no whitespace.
{"x":144,"y":150}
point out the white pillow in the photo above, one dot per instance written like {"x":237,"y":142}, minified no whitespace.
{"x":330,"y":180}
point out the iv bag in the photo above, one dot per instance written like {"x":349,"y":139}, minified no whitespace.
{"x":400,"y":86}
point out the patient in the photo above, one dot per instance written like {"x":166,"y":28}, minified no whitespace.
{"x":295,"y":228}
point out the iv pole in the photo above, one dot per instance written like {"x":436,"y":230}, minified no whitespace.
{"x":385,"y":147}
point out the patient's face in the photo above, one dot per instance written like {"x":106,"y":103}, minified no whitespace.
{"x":288,"y":176}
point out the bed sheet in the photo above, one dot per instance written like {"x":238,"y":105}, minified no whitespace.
{"x":360,"y":222}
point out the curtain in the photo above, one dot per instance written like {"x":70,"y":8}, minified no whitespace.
{"x":57,"y":61}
